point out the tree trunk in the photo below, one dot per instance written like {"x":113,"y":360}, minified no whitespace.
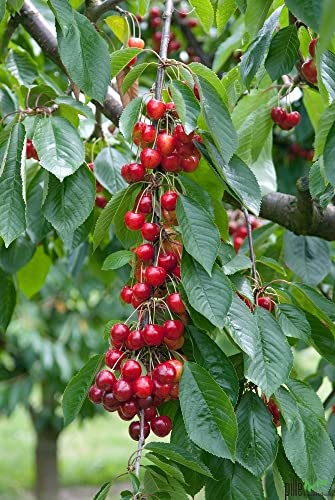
{"x":47,"y":483}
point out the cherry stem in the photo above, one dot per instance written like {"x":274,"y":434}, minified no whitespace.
{"x":141,"y":443}
{"x":251,"y":246}
{"x":167,"y":15}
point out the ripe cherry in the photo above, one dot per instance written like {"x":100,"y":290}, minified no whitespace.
{"x":119,"y":332}
{"x":168,"y":261}
{"x":150,"y":413}
{"x":133,"y":221}
{"x":175,"y":303}
{"x":169,"y":200}
{"x":126,"y":294}
{"x":160,"y":390}
{"x":192,"y":23}
{"x":278,"y":114}
{"x":110,"y":403}
{"x":137,"y":133}
{"x":133,"y":172}
{"x":113,"y":358}
{"x":171,"y":163}
{"x":241,"y":231}
{"x":177,"y":272}
{"x":155,"y":109}
{"x":145,"y":402}
{"x":309,"y":71}
{"x":155,"y":12}
{"x":136,"y":302}
{"x":161,"y":426}
{"x":238,"y":242}
{"x":142,"y":291}
{"x":150,"y":158}
{"x":180,"y":134}
{"x":164,"y":373}
{"x":266,"y":303}
{"x":178,"y":366}
{"x":293,"y":118}
{"x":174,"y":345}
{"x":135,"y":341}
{"x":143,"y":386}
{"x":196,"y":91}
{"x":173,"y":329}
{"x":155,"y":275}
{"x":31,"y":151}
{"x":143,"y":203}
{"x":190,"y":163}
{"x":145,"y":251}
{"x":150,"y":231}
{"x":148,"y":134}
{"x":136,"y":42}
{"x":100,"y":201}
{"x":135,"y":429}
{"x":155,"y":22}
{"x":130,"y":370}
{"x":165,"y":143}
{"x":122,"y":390}
{"x":95,"y":394}
{"x":105,"y":380}
{"x":174,"y":391}
{"x":312,"y":46}
{"x":152,"y":334}
{"x":129,"y":408}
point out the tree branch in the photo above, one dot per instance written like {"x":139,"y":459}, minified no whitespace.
{"x":192,"y":41}
{"x":95,"y":10}
{"x":167,"y":15}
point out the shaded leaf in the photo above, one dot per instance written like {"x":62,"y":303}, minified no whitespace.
{"x":283,"y":52}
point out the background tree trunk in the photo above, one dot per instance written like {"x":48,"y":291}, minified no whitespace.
{"x":47,"y":481}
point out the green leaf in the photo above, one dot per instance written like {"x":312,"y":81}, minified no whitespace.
{"x":208,"y":414}
{"x":257,"y":436}
{"x":127,"y":237}
{"x":210,"y":296}
{"x":117,"y":260}
{"x":70,"y":102}
{"x":187,"y":105}
{"x":106,"y":218}
{"x":107,"y":169}
{"x":314,"y":303}
{"x":218,"y":119}
{"x":307,"y":256}
{"x":77,"y":389}
{"x":2,"y":8}
{"x":212,"y":78}
{"x":129,"y":117}
{"x":64,"y":14}
{"x":205,"y":12}
{"x":32,"y":276}
{"x":238,"y":263}
{"x":59,"y":147}
{"x":200,"y":235}
{"x":17,"y":254}
{"x":180,"y":456}
{"x":306,"y":442}
{"x":166,"y":466}
{"x":253,"y":57}
{"x":325,"y":124}
{"x":243,"y":327}
{"x":327,"y":71}
{"x":121,"y":58}
{"x":196,"y":191}
{"x":225,"y":9}
{"x":21,"y":66}
{"x":322,"y":339}
{"x":226,"y":49}
{"x":327,"y":25}
{"x":7,"y":300}
{"x":12,"y":213}
{"x":272,"y":264}
{"x":209,"y":355}
{"x":272,"y":363}
{"x":283,"y":52}
{"x":103,"y":492}
{"x":293,"y":322}
{"x":68,"y":204}
{"x":119,"y":26}
{"x":37,"y":225}
{"x":255,"y":15}
{"x":79,"y":48}
{"x":307,"y":11}
{"x":134,"y":74}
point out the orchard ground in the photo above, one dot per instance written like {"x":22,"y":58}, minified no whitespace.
{"x":90,"y":453}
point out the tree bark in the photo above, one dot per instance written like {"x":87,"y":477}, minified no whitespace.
{"x":47,"y":479}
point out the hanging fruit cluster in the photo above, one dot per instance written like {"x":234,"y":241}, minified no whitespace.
{"x":284,"y":119}
{"x":308,"y":68}
{"x":144,"y":356}
{"x":238,"y":229}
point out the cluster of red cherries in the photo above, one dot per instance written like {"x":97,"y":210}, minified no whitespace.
{"x":284,"y":119}
{"x":308,"y":68}
{"x":238,"y":229}
{"x":296,"y":151}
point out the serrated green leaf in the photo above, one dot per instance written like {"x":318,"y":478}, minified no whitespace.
{"x":273,"y":360}
{"x":129,"y":117}
{"x":103,"y":492}
{"x":2,"y":8}
{"x":293,"y":322}
{"x":106,"y":218}
{"x":325,"y":124}
{"x":12,"y":213}
{"x":327,"y":73}
{"x":208,"y":414}
{"x":68,"y":204}
{"x":7,"y":300}
{"x":314,"y":303}
{"x":77,"y":389}
{"x":238,"y":263}
{"x":119,"y":26}
{"x":37,"y":225}
{"x":127,"y":237}
{"x":134,"y":74}
{"x":205,"y":12}
{"x":224,"y":10}
{"x":107,"y":169}
{"x":243,"y":327}
{"x":210,"y":296}
{"x":59,"y":147}
{"x":308,"y":11}
{"x":227,"y":47}
{"x":272,"y":264}
{"x":200,"y":234}
{"x":257,"y":436}
{"x":322,"y":339}
{"x":255,"y":15}
{"x":63,"y":13}
{"x":121,"y":58}
{"x":68,"y":101}
{"x":283,"y":52}
{"x":78,"y":49}
{"x":117,"y":260}
{"x":166,"y":467}
{"x":187,"y":105}
{"x":21,"y":66}
{"x":212,"y":78}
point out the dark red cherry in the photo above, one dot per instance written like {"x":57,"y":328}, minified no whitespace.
{"x":169,"y":200}
{"x":126,"y":294}
{"x":150,"y":413}
{"x":113,"y":358}
{"x":164,"y":373}
{"x":266,"y":303}
{"x":105,"y":380}
{"x":150,"y":231}
{"x":168,"y":261}
{"x":152,"y":334}
{"x":155,"y":275}
{"x":180,"y":134}
{"x":109,"y":401}
{"x":143,"y":386}
{"x":135,"y":341}
{"x":131,"y":370}
{"x":119,"y":332}
{"x":162,"y":391}
{"x":134,"y":430}
{"x":129,"y":408}
{"x":175,"y":303}
{"x":142,"y":291}
{"x":122,"y":390}
{"x":95,"y":394}
{"x":161,"y":426}
{"x":173,"y":329}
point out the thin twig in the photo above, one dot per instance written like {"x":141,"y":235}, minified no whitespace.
{"x":167,"y":15}
{"x":141,"y":443}
{"x":251,"y":246}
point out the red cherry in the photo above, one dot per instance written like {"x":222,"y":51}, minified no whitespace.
{"x":173,"y":46}
{"x":126,"y":294}
{"x":293,"y":118}
{"x":146,"y":251}
{"x":137,"y":133}
{"x":169,"y":200}
{"x":165,"y":143}
{"x":278,"y":114}
{"x":171,"y":107}
{"x":143,"y":203}
{"x":135,"y":341}
{"x":136,"y":302}
{"x":122,"y":415}
{"x":101,"y":201}
{"x":145,"y":402}
{"x":129,"y":408}
{"x":31,"y":151}
{"x":142,"y":291}
{"x":174,"y":391}
{"x":182,"y":13}
{"x":178,"y":366}
{"x":133,"y":172}
{"x":162,"y":391}
{"x":241,"y":231}
{"x":161,"y":426}
{"x":155,"y":22}
{"x":238,"y":242}
{"x":143,"y":387}
{"x":130,"y":370}
{"x":175,"y":303}
{"x":174,"y":345}
{"x":155,"y":275}
{"x":105,"y":380}
{"x":150,"y":231}
{"x":113,"y":358}
{"x":168,"y":261}
{"x":150,"y":413}
{"x":192,"y":23}
{"x":133,"y":221}
{"x":149,"y":134}
{"x":164,"y":373}
{"x":119,"y":332}
{"x":190,"y":163}
{"x":136,"y":42}
{"x":155,"y":109}
{"x":152,"y":334}
{"x":309,"y":71}
{"x":150,"y":158}
{"x":173,"y":329}
{"x":95,"y":394}
{"x":110,"y":403}
{"x":135,"y":429}
{"x":177,"y":272}
{"x":122,"y":390}
{"x":311,"y":47}
{"x":196,"y":91}
{"x":266,"y":303}
{"x":171,"y":163}
{"x":155,"y":12}
{"x":180,"y":134}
